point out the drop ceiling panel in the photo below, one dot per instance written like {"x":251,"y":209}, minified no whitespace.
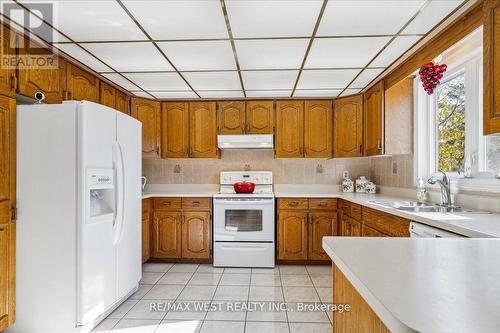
{"x":394,"y":50}
{"x":120,"y":80}
{"x":213,"y":80}
{"x":262,"y":80}
{"x":250,"y":18}
{"x":351,"y":18}
{"x":317,"y":93}
{"x":269,"y":93}
{"x":84,"y":57}
{"x":268,"y":54}
{"x":179,"y":19}
{"x":173,"y":94}
{"x":158,"y":81}
{"x":130,"y":57}
{"x":350,"y":91}
{"x":95,"y":20}
{"x":344,"y":52}
{"x":202,"y":55}
{"x":365,"y":77}
{"x":326,"y":79}
{"x":220,"y":94}
{"x":431,"y":15}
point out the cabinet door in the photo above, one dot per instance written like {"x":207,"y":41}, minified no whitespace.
{"x":260,"y":117}
{"x":148,"y":113}
{"x":146,"y":229}
{"x":175,"y":130}
{"x":398,"y":118}
{"x":344,"y":225}
{"x":491,"y":60}
{"x":374,"y":120}
{"x":289,"y":129}
{"x":166,"y":235}
{"x":370,"y":232}
{"x":318,"y":129}
{"x":7,"y":201}
{"x":108,"y":95}
{"x":81,"y":85}
{"x":292,"y":235}
{"x":203,"y":130}
{"x":7,"y":73}
{"x":231,"y":117}
{"x":355,"y":228}
{"x":122,"y":102}
{"x":320,"y":225}
{"x":196,"y":235}
{"x":348,"y":126}
{"x":33,"y":79}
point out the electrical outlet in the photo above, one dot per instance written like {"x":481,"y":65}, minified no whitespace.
{"x":247,"y":167}
{"x":394,"y":168}
{"x":319,"y":168}
{"x":345,"y":174}
{"x":177,"y":168}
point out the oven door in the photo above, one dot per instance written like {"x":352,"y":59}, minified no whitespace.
{"x":244,"y":219}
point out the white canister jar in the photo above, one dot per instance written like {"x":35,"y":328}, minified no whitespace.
{"x":361,"y":184}
{"x":347,"y":186}
{"x":371,"y":188}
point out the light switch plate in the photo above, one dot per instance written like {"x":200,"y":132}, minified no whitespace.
{"x":345,"y":174}
{"x":394,"y":168}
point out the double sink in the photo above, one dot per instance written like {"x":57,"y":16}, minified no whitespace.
{"x":419,"y":207}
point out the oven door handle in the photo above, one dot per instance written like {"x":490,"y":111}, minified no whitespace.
{"x":244,"y":202}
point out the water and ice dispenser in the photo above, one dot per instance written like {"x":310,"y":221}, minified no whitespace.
{"x":101,"y":193}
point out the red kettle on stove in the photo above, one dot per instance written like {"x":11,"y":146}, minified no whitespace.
{"x":244,"y":187}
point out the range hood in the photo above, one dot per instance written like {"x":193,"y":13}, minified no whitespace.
{"x":252,"y":141}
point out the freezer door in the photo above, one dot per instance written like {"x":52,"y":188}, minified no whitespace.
{"x":95,"y":251}
{"x":127,"y":235}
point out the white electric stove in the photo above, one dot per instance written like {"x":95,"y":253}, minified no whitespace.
{"x":244,"y":224}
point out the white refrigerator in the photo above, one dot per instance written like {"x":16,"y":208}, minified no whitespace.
{"x":79,"y":215}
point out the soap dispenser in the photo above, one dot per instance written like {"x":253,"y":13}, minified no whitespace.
{"x":421,"y":190}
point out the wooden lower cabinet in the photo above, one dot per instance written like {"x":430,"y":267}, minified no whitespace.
{"x":146,"y":229}
{"x":196,"y":235}
{"x":387,"y":224}
{"x":361,"y":318}
{"x":166,"y":235}
{"x":320,"y":225}
{"x":4,"y":276}
{"x":370,"y":232}
{"x":292,"y":235}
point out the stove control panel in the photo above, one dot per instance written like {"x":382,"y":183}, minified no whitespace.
{"x":257,"y":177}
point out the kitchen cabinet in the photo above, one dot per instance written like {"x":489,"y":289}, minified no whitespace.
{"x":148,"y":112}
{"x":231,"y":117}
{"x":386,"y":224}
{"x":7,"y":210}
{"x":491,"y":72}
{"x":80,"y":84}
{"x":349,"y":219}
{"x":370,"y":232}
{"x":348,"y":126}
{"x":318,"y":129}
{"x":203,"y":130}
{"x":374,"y":120}
{"x":32,"y":79}
{"x":122,"y":102}
{"x":146,"y":229}
{"x":361,"y":318}
{"x":182,"y":229}
{"x":302,"y":224}
{"x":7,"y":73}
{"x":175,"y":130}
{"x":289,"y":129}
{"x":259,"y":117}
{"x":107,"y":95}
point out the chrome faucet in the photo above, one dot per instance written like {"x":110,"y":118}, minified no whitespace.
{"x":445,"y":188}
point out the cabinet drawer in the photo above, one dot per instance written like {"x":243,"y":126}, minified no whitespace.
{"x":290,"y":203}
{"x":370,"y":232}
{"x":345,"y":207}
{"x":388,"y":224}
{"x":196,"y":203}
{"x":167,"y":203}
{"x":356,"y":211}
{"x":330,"y":204}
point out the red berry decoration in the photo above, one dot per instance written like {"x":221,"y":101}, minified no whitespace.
{"x":431,"y":75}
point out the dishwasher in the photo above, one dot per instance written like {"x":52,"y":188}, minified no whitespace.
{"x":419,"y":230}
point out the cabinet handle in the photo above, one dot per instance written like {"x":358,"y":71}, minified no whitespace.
{"x":2,"y":228}
{"x":322,"y":203}
{"x":293,"y":203}
{"x":309,"y":219}
{"x":190,"y":152}
{"x":166,"y":203}
{"x":195,"y":203}
{"x":13,"y":82}
{"x":361,"y":149}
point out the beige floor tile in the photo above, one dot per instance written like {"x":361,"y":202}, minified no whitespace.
{"x":300,"y":294}
{"x":106,"y":325}
{"x":273,"y":271}
{"x":208,"y":268}
{"x":184,"y":268}
{"x":223,"y":327}
{"x":179,"y":326}
{"x":205,"y":279}
{"x":267,"y":327}
{"x":319,"y":269}
{"x":188,"y":310}
{"x":175,"y":278}
{"x":266,"y":313}
{"x":320,"y":280}
{"x":235,"y":279}
{"x":310,"y":328}
{"x":164,"y":291}
{"x":143,"y":289}
{"x":136,"y":326}
{"x":227,"y":311}
{"x":122,"y":309}
{"x":292,"y":269}
{"x":265,"y":280}
{"x":325,"y":294}
{"x":143,"y":310}
{"x":156,"y":267}
{"x":150,"y":278}
{"x":296,"y":280}
{"x":197,"y":293}
{"x":234,"y":270}
{"x":231,"y":293}
{"x":265,"y":294}
{"x":294,"y":315}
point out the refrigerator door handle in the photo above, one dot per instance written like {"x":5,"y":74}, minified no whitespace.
{"x":119,"y":193}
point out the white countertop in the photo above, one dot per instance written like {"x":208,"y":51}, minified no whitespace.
{"x":180,"y":190}
{"x":424,"y":285}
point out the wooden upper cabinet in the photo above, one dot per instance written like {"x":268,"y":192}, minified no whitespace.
{"x":260,"y":117}
{"x":203,"y":129}
{"x":81,"y":85}
{"x":122,"y":102}
{"x":108,"y":95}
{"x":175,"y":130}
{"x":292,"y":235}
{"x":289,"y":129}
{"x":148,"y":113}
{"x":7,"y":73}
{"x":318,"y":129}
{"x":348,"y":126}
{"x":196,"y":235}
{"x":374,"y":120}
{"x":166,"y":235}
{"x":399,"y":118}
{"x":231,"y":117}
{"x":33,"y":79}
{"x":491,"y":72}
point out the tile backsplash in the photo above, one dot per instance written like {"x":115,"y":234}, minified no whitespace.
{"x":286,"y":171}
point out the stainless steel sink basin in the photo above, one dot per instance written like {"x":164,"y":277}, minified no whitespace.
{"x":409,"y":204}
{"x":419,"y":207}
